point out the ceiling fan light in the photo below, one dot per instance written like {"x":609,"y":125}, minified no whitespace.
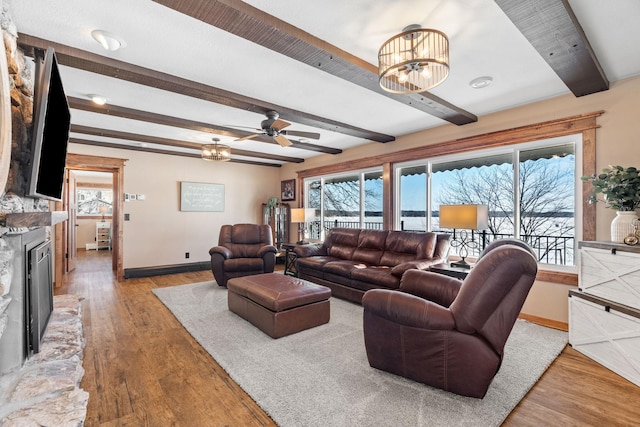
{"x":414,"y":50}
{"x":216,"y":152}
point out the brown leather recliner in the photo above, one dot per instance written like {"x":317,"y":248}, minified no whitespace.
{"x":243,"y":250}
{"x":448,"y":333}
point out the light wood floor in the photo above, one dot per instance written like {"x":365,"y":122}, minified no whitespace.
{"x":143,"y":369}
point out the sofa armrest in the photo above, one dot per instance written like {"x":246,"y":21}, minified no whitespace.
{"x":431,"y":286}
{"x":419,"y":264}
{"x":407,"y":310}
{"x":314,"y":249}
{"x":221,"y":250}
{"x":267,"y":249}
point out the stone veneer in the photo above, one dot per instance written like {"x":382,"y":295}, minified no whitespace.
{"x":46,"y":390}
{"x":11,"y":201}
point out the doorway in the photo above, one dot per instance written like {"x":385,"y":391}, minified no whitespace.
{"x":90,"y":209}
{"x":64,"y":244}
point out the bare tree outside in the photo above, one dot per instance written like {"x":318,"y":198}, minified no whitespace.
{"x":546,"y":195}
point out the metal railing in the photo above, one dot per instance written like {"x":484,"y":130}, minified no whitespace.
{"x":557,"y":250}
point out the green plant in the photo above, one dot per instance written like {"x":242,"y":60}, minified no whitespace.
{"x":620,"y":187}
{"x":272,"y":202}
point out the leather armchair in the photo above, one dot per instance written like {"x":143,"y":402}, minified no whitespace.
{"x":243,"y":250}
{"x":448,"y":333}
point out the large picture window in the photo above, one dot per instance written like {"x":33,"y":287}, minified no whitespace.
{"x":530,"y":190}
{"x":351,"y":200}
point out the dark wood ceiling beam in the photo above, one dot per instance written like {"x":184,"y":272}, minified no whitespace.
{"x":107,"y":133}
{"x":161,"y":119}
{"x":554,"y":31}
{"x":91,"y":62}
{"x":252,"y":24}
{"x":167,"y":152}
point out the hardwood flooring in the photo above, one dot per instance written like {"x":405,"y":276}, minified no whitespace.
{"x":144,"y":369}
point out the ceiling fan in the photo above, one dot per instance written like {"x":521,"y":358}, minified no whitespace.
{"x":273,"y":127}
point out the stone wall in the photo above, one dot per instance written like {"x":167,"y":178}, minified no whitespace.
{"x":12,"y":197}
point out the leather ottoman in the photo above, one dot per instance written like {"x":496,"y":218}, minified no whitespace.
{"x":279,"y":305}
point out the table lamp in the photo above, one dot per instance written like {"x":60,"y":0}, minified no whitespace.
{"x":300,"y":216}
{"x":464,"y":217}
{"x":103,"y":210}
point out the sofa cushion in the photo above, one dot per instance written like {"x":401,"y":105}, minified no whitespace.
{"x":370,"y":246}
{"x":342,"y":267}
{"x":313,"y":266}
{"x":380,"y":276}
{"x":402,"y":247}
{"x":342,"y":242}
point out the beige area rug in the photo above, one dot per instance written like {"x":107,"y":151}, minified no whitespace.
{"x":321,"y":376}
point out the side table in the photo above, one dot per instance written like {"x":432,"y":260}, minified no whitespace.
{"x":290,"y":259}
{"x":448,"y":270}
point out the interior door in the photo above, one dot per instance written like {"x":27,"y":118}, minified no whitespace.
{"x":72,"y":249}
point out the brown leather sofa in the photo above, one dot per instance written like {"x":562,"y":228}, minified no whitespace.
{"x":447,"y":333}
{"x":352,"y":261}
{"x":243,"y":250}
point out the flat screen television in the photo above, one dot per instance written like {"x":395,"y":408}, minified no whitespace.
{"x":51,"y":122}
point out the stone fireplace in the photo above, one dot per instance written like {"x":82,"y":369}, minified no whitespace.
{"x":16,"y":80}
{"x":36,"y":388}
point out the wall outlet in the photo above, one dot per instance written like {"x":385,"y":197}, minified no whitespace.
{"x":186,"y":255}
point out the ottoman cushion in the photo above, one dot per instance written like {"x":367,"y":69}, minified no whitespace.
{"x":279,"y":305}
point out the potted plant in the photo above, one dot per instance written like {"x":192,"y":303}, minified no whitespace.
{"x":621,"y":190}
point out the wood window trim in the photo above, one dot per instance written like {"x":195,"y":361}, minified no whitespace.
{"x":584,"y":124}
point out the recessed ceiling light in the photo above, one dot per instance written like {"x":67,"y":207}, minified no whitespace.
{"x":107,"y":40}
{"x":481,"y":82}
{"x":98,"y":99}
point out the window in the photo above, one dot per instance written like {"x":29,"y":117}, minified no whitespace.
{"x":352,"y":200}
{"x":94,"y":201}
{"x":539,"y":179}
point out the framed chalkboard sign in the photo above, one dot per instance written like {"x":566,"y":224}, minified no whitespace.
{"x":201,"y":197}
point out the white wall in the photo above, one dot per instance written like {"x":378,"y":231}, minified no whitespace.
{"x":158,"y":233}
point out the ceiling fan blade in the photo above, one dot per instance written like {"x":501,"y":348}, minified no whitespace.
{"x":280,"y":139}
{"x":248,"y":137}
{"x":279,"y":124}
{"x":311,"y":135}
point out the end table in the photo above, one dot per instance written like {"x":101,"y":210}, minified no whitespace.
{"x":449,"y":270}
{"x":290,"y":259}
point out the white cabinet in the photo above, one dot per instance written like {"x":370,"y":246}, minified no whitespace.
{"x":607,"y":332}
{"x":103,"y":235}
{"x":611,"y":271}
{"x":604,"y":314}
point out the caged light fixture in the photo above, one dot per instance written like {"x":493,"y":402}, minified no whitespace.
{"x":413,"y":61}
{"x":216,"y":152}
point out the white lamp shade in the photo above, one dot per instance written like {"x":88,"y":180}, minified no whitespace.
{"x":297,"y":215}
{"x":301,"y":214}
{"x":467,"y":217}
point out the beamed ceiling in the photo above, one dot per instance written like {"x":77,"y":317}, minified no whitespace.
{"x":193,"y":70}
